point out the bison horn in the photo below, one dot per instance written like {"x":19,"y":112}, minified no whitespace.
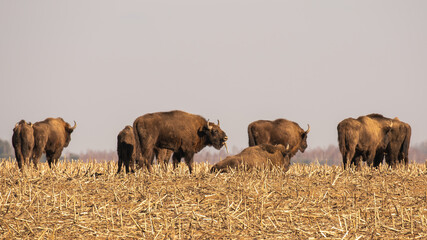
{"x":207,"y":124}
{"x":75,"y":125}
{"x":308,"y":129}
{"x":218,"y":122}
{"x":287,"y":147}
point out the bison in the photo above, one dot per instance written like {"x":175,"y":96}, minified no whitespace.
{"x":183,"y":133}
{"x":126,"y":151}
{"x":279,"y":131}
{"x":51,"y":136}
{"x":397,"y":149}
{"x":362,"y":138}
{"x":23,"y":142}
{"x":125,"y":148}
{"x":259,"y":156}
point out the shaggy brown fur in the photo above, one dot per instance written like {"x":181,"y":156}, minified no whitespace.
{"x":23,"y":142}
{"x":398,"y":147}
{"x":279,"y":131}
{"x":361,"y":138}
{"x":183,"y":133}
{"x":126,"y":151}
{"x":51,"y":136}
{"x":260,"y":156}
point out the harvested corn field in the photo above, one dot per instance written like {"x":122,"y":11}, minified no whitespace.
{"x":88,"y":200}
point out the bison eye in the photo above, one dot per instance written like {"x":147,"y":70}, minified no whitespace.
{"x":215,"y":131}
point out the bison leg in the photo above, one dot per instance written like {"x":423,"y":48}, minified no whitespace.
{"x":52,"y":157}
{"x":357,"y":161}
{"x":347,"y":157}
{"x":49,"y":156}
{"x":119,"y":165}
{"x":166,"y":159}
{"x":19,"y":157}
{"x":378,"y":159}
{"x":370,"y":157}
{"x":176,"y":158}
{"x":39,"y":147}
{"x":163,"y":157}
{"x":147,"y":151}
{"x":56,"y":156}
{"x":37,"y":154}
{"x":403,"y":157}
{"x":189,"y":161}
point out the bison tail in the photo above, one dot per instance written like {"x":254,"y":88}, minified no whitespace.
{"x":251,"y":136}
{"x":342,"y":140}
{"x":405,"y":145}
{"x":137,"y":150}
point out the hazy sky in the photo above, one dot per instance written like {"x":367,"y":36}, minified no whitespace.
{"x":104,"y":63}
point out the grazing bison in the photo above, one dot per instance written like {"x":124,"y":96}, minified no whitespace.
{"x":362,"y":138}
{"x":279,"y":131}
{"x":23,"y":142}
{"x":50,"y":137}
{"x":259,"y":156}
{"x":126,"y":151}
{"x":183,"y":133}
{"x":397,"y":149}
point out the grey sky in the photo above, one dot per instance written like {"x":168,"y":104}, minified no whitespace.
{"x":104,"y":63}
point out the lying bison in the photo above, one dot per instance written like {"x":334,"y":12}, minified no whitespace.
{"x":279,"y":131}
{"x":51,"y":136}
{"x":260,"y":156}
{"x":183,"y":133}
{"x":361,"y":138}
{"x":126,"y":151}
{"x":397,"y":149}
{"x":23,"y":142}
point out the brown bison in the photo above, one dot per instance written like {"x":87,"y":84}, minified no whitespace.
{"x":397,"y":149}
{"x":51,"y":136}
{"x":126,"y":151}
{"x":23,"y":142}
{"x":259,"y":156}
{"x":183,"y":133}
{"x":279,"y":131}
{"x":361,"y":138}
{"x":125,"y":148}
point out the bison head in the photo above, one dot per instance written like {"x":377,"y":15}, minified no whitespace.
{"x":303,"y":144}
{"x":69,"y":130}
{"x":214,"y":135}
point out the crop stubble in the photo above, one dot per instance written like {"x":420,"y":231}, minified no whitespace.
{"x":88,"y":200}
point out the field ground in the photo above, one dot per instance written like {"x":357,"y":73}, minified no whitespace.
{"x":88,"y":200}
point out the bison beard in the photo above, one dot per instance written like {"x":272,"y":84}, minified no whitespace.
{"x":260,"y":156}
{"x":23,"y":142}
{"x":183,"y":133}
{"x":126,"y":151}
{"x":361,"y":138}
{"x":279,"y":131}
{"x":51,"y":136}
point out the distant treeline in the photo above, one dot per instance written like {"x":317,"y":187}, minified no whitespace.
{"x":330,"y":155}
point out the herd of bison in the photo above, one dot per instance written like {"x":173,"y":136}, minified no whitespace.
{"x":180,"y":134}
